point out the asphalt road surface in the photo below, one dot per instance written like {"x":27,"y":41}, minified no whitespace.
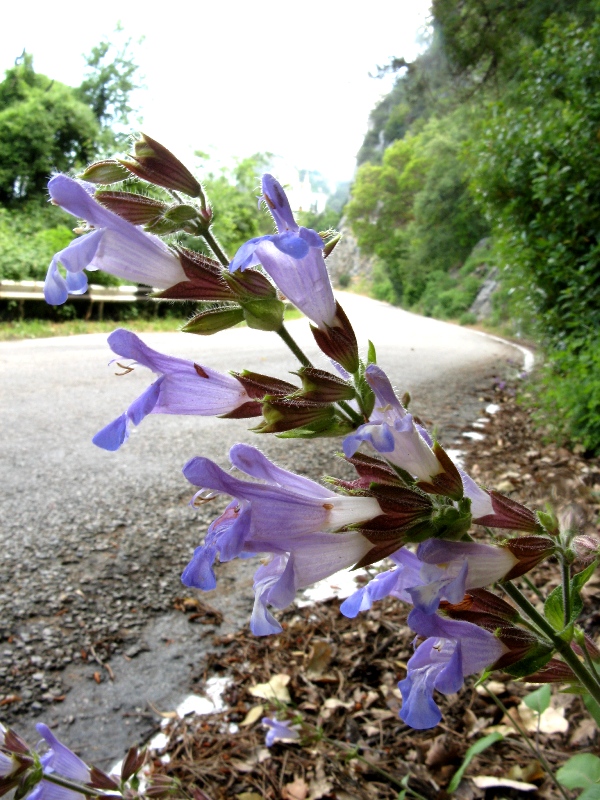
{"x":93,"y":543}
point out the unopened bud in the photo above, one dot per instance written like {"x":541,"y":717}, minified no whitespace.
{"x":323,"y":387}
{"x":105,"y":172}
{"x":152,"y":162}
{"x":586,"y":547}
{"x":132,"y":763}
{"x":286,"y":414}
{"x":330,"y":245}
{"x":218,"y":319}
{"x":263,"y":314}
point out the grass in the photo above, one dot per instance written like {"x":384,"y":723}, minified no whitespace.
{"x":45,"y":328}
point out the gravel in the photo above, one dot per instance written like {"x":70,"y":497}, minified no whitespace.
{"x":97,"y":634}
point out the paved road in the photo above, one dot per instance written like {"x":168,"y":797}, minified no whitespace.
{"x":93,"y":542}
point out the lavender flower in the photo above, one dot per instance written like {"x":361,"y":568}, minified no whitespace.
{"x":452,"y":650}
{"x":8,"y":763}
{"x":182,"y":388}
{"x":293,"y":257}
{"x":279,"y":729}
{"x":114,"y":245}
{"x":310,"y":559}
{"x":392,"y":431}
{"x":275,"y":516}
{"x":62,"y":761}
{"x":440,"y":570}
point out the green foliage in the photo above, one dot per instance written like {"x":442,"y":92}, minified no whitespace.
{"x":537,"y":174}
{"x":415,"y":213}
{"x":474,"y":750}
{"x":43,"y":127}
{"x":582,"y":772}
{"x":231,"y":193}
{"x":539,"y":700}
{"x":567,"y":395}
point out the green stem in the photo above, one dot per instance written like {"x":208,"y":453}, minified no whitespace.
{"x":566,"y":587}
{"x":374,"y":767}
{"x":527,"y":580}
{"x":588,"y":660}
{"x":536,"y":752}
{"x":81,"y":788}
{"x":355,"y":416}
{"x":285,"y":336}
{"x":564,"y":648}
{"x":216,"y":248}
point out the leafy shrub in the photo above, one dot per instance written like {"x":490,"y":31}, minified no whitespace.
{"x":567,"y":395}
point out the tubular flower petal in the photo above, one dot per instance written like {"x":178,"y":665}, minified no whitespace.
{"x":497,"y":511}
{"x":115,"y":246}
{"x":440,"y":570}
{"x":452,"y":650}
{"x":293,"y":257}
{"x":278,"y":729}
{"x":310,"y":559}
{"x":182,"y":388}
{"x":281,"y":515}
{"x":392,"y":431}
{"x":62,"y":761}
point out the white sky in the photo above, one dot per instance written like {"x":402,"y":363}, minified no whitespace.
{"x":232,"y":77}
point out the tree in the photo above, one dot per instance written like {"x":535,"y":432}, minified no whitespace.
{"x":44,"y":126}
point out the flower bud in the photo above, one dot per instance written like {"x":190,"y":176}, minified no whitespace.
{"x":447,"y":481}
{"x":152,"y":162}
{"x":286,"y":414}
{"x":263,"y":313}
{"x":586,"y":547}
{"x":105,"y":172}
{"x":323,"y":387}
{"x":132,"y":763}
{"x":218,"y":319}
{"x":330,"y":245}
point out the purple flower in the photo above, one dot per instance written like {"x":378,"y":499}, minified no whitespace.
{"x":274,"y":516}
{"x":452,"y":650}
{"x":310,"y":559}
{"x":114,"y":245}
{"x":440,"y":570}
{"x":392,"y":431}
{"x":182,"y":388}
{"x":293,"y":257}
{"x":279,"y":729}
{"x":62,"y":761}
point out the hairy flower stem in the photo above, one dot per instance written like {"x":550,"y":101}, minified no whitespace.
{"x":587,"y":680}
{"x":285,"y":336}
{"x":216,"y":248}
{"x":566,"y":587}
{"x":355,"y":416}
{"x":536,"y":752}
{"x":80,"y":788}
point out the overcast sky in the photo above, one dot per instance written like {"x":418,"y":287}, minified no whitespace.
{"x":233,"y":78}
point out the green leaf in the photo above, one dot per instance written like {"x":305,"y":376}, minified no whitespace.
{"x":371,"y":354}
{"x":593,"y":708}
{"x":580,"y":772}
{"x":539,"y":700}
{"x":479,"y":746}
{"x":534,"y":661}
{"x":578,"y":581}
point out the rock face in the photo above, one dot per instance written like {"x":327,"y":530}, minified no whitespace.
{"x":482,"y":305}
{"x":347,"y":264}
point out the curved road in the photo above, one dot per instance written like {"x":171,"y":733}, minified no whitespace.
{"x":93,"y":542}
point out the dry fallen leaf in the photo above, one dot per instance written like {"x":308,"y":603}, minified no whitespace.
{"x":320,"y":657}
{"x":275,"y":689}
{"x":297,"y":790}
{"x":552,"y":720}
{"x":252,"y":716}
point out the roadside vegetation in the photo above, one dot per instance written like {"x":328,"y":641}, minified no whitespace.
{"x":483,"y":163}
